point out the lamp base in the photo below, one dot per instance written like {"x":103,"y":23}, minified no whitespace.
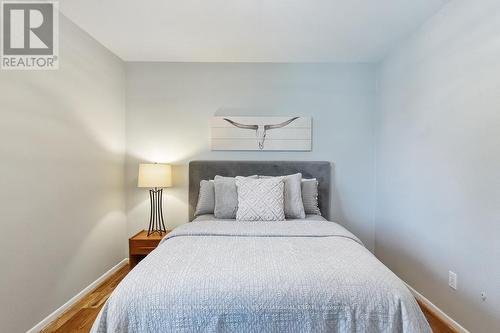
{"x":156,"y":223}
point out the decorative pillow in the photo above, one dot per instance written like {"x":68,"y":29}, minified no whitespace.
{"x":226,"y":197}
{"x":260,"y":199}
{"x":294,"y":208}
{"x":310,"y":196}
{"x":206,"y":198}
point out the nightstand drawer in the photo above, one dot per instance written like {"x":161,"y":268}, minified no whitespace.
{"x":139,"y":244}
{"x":141,"y":249}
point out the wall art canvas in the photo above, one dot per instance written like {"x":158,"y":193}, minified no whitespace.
{"x":261,"y":133}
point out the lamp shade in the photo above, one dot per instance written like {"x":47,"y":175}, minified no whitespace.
{"x":154,"y":175}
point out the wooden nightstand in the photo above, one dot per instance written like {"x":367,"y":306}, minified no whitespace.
{"x":140,"y":245}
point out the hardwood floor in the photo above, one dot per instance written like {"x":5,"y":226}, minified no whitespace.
{"x":436,"y":324}
{"x":80,"y":317}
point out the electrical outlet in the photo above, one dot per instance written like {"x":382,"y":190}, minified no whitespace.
{"x":452,"y":280}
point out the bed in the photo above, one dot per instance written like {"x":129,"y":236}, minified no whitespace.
{"x":305,"y":275}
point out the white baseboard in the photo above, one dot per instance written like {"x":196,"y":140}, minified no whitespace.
{"x":57,"y":313}
{"x":437,"y":311}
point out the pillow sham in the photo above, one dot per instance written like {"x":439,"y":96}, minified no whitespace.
{"x":226,"y":197}
{"x":293,"y":205}
{"x":260,"y":199}
{"x":206,"y":198}
{"x":310,"y":196}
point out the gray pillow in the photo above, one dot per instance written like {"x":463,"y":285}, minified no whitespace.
{"x":206,"y":198}
{"x":260,"y":199}
{"x":294,"y":208}
{"x":226,"y":197}
{"x":310,"y":196}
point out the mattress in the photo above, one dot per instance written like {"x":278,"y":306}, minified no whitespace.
{"x":289,"y":276}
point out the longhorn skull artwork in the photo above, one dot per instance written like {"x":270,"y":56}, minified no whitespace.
{"x":261,"y":130}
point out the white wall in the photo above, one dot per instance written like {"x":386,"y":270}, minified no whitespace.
{"x":61,"y":185}
{"x":62,"y":140}
{"x":169,"y":106}
{"x":438,"y":162}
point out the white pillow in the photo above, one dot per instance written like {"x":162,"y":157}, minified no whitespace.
{"x":260,"y":199}
{"x":294,"y":207}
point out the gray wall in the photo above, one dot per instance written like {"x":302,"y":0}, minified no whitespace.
{"x":62,"y":146}
{"x":169,"y":106}
{"x":438,"y":162}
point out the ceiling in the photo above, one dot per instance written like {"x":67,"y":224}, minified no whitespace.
{"x":250,"y":30}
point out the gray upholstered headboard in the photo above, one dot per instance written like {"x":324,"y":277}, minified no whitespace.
{"x":199,"y":170}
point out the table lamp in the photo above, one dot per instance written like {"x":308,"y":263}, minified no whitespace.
{"x":155,"y":177}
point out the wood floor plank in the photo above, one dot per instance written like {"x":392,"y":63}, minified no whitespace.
{"x":80,"y":317}
{"x":81,"y":322}
{"x":436,"y":324}
{"x":77,"y":318}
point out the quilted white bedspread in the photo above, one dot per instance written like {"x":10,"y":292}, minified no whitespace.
{"x":292,"y":276}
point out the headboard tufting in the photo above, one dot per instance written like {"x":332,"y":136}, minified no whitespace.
{"x":199,"y":170}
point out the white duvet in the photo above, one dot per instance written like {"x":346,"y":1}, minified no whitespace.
{"x":292,"y":276}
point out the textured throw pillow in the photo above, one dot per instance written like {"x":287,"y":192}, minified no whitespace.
{"x":206,"y":198}
{"x":226,"y":197}
{"x":294,"y":207}
{"x":310,"y":196}
{"x":260,"y":199}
